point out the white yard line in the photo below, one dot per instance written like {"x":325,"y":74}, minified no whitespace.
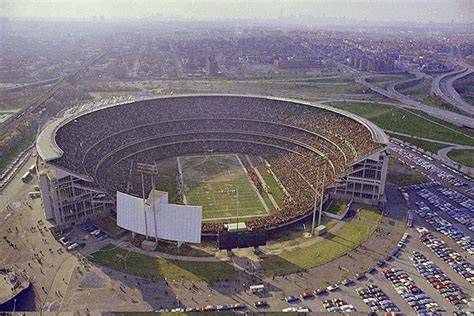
{"x":263,"y":181}
{"x":267,"y":165}
{"x":253,"y":185}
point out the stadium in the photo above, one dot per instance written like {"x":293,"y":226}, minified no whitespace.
{"x":265,"y":161}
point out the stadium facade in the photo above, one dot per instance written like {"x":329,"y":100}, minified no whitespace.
{"x":78,"y":170}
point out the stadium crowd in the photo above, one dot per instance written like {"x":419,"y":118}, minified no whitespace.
{"x":304,"y":145}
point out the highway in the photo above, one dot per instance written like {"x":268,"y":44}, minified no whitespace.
{"x":448,"y":116}
{"x":31,"y":85}
{"x":11,"y":122}
{"x":443,"y":87}
{"x":391,"y":87}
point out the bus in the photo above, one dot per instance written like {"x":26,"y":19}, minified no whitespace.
{"x":410,"y":218}
{"x":26,"y":177}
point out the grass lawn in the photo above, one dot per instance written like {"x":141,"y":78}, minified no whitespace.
{"x":387,"y":78}
{"x":401,"y":180}
{"x":465,"y":88}
{"x":369,"y":214}
{"x":337,"y":207}
{"x":145,"y":266}
{"x":438,"y":102}
{"x":463,"y":156}
{"x":347,"y":238}
{"x":418,"y":91}
{"x":167,"y":171}
{"x":409,"y":122}
{"x":220,"y":185}
{"x":295,"y":236}
{"x":350,"y":88}
{"x":275,"y":189}
{"x":401,"y":175}
{"x":428,"y":146}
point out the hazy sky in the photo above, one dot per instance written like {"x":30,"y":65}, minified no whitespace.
{"x":372,"y":10}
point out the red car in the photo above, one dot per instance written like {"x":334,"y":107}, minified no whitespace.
{"x":306,"y":295}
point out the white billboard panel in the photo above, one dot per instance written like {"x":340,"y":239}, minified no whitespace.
{"x":130,"y":213}
{"x":166,"y":221}
{"x":179,"y":222}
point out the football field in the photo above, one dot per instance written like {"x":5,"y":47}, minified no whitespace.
{"x":220,"y":185}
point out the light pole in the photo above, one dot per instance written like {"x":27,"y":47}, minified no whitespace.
{"x":322,"y":196}
{"x":315,"y":201}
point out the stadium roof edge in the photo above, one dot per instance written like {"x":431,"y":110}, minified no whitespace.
{"x":48,"y":149}
{"x":46,"y":145}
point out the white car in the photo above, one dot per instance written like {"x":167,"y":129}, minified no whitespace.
{"x":64,"y":241}
{"x":73,"y":246}
{"x":333,"y":287}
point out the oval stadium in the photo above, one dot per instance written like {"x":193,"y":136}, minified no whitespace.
{"x":265,"y":161}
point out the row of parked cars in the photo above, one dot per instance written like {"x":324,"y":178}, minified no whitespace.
{"x":455,"y":213}
{"x":448,"y":255}
{"x":338,"y":305}
{"x":209,"y":308}
{"x":438,"y":279}
{"x":409,"y":291}
{"x":376,"y":299}
{"x":444,"y":227}
{"x":70,"y":245}
{"x":429,"y":166}
{"x":457,"y":197}
{"x":94,"y":231}
{"x":416,"y":187}
{"x":293,"y":299}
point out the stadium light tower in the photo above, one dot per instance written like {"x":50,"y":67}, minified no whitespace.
{"x":146,"y":169}
{"x":322,"y":197}
{"x":315,"y":202}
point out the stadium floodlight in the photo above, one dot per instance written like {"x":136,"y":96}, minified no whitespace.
{"x":315,"y":187}
{"x":322,"y":196}
{"x":151,"y":170}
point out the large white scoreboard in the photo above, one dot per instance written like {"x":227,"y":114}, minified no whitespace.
{"x":155,"y":217}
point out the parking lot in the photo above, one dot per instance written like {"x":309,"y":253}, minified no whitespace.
{"x":438,"y":271}
{"x":435,"y":170}
{"x":86,"y":238}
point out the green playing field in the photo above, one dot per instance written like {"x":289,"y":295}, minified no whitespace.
{"x":220,"y":185}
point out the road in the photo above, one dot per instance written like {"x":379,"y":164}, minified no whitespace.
{"x":443,"y":87}
{"x":443,"y":153}
{"x":11,"y":122}
{"x":391,"y":87}
{"x":448,"y":116}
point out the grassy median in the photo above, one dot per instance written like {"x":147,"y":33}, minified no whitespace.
{"x":463,"y":156}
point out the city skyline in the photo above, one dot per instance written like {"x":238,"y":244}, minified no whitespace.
{"x":388,"y":11}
